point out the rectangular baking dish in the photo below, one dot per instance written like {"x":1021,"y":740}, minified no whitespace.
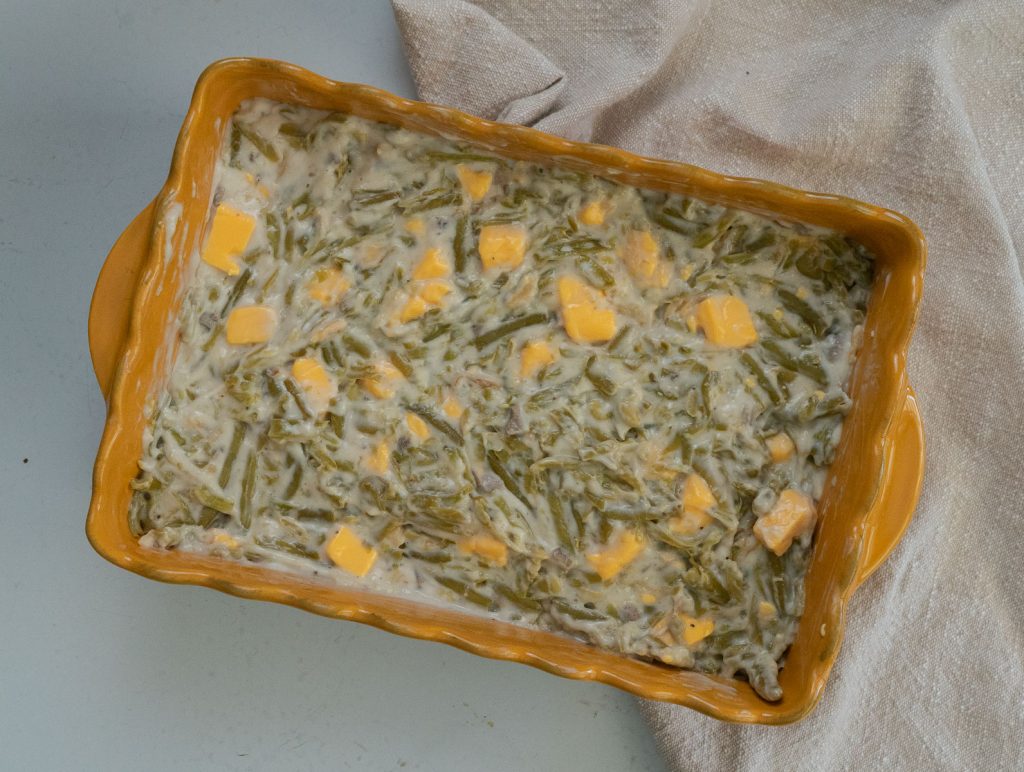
{"x":869,"y":497}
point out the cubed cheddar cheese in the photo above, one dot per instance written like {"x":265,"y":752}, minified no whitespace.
{"x":453,"y":408}
{"x":696,"y":630}
{"x":792,"y":516}
{"x":648,"y":598}
{"x":725,"y":320}
{"x":476,"y":183}
{"x":379,"y":459}
{"x":381,"y":382}
{"x":490,"y":549}
{"x":697,"y":500}
{"x":642,"y":256}
{"x":413,"y":309}
{"x":347,"y":551}
{"x":229,"y":235}
{"x":533,"y":357}
{"x":502,"y":247}
{"x":781,"y":447}
{"x":432,"y":266}
{"x":319,"y":387}
{"x":594,"y":212}
{"x":328,"y":286}
{"x":250,"y":324}
{"x":433,"y":292}
{"x":697,"y":494}
{"x":766,"y":612}
{"x":417,"y":426}
{"x":623,"y":550}
{"x":415,"y":225}
{"x":585,"y":320}
{"x":422,"y":297}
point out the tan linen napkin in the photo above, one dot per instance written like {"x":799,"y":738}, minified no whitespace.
{"x":914,"y":105}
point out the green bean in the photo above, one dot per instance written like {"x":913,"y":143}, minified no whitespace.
{"x":582,"y":614}
{"x":459,"y":244}
{"x":356,"y":346}
{"x":236,"y":442}
{"x":514,"y":325}
{"x":212,"y":500}
{"x":291,"y":548}
{"x":293,"y":484}
{"x":421,"y":204}
{"x":248,"y":490}
{"x":337,"y":424}
{"x":432,"y":418}
{"x":766,"y":239}
{"x":517,"y":598}
{"x":762,"y":377}
{"x":436,"y":331}
{"x":235,"y":143}
{"x":805,"y":365}
{"x":666,"y":221}
{"x":710,"y":235}
{"x":428,"y":557}
{"x":778,"y":581}
{"x":803,"y":309}
{"x":401,"y":363}
{"x":296,"y":392}
{"x":777,"y":326}
{"x":495,"y":462}
{"x":602,"y":383}
{"x":463,"y":589}
{"x":264,"y":147}
{"x":594,"y":272}
{"x":208,"y":516}
{"x":371,"y":197}
{"x":236,"y":291}
{"x":558,"y":516}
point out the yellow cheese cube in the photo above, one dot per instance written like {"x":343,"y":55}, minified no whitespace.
{"x":766,"y":612}
{"x":533,"y":357}
{"x":432,"y":266}
{"x":229,"y":235}
{"x":487,"y":547}
{"x":594,"y":212}
{"x":697,"y":494}
{"x":476,"y":183}
{"x":642,"y":256}
{"x":379,"y":459}
{"x":696,"y":630}
{"x":381,"y":383}
{"x":417,"y":426}
{"x":453,"y":408}
{"x":648,"y":598}
{"x":415,"y":225}
{"x":319,"y":387}
{"x":792,"y":516}
{"x":780,"y":446}
{"x":584,"y":320}
{"x":502,"y":247}
{"x":726,"y":321}
{"x":413,"y":309}
{"x":433,"y":292}
{"x":328,"y":286}
{"x":620,"y":553}
{"x":250,"y":324}
{"x":347,"y":551}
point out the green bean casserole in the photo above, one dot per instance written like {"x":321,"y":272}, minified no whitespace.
{"x":408,"y":364}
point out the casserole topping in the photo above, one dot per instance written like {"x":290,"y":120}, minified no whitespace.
{"x":571,"y":404}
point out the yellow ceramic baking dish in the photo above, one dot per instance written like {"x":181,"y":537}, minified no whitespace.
{"x":869,"y":497}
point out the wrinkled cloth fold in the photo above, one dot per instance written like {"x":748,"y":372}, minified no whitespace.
{"x":913,"y":105}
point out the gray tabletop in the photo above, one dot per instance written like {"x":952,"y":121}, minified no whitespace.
{"x":99,"y":668}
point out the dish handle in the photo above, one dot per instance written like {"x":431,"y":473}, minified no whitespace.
{"x":110,"y":312}
{"x":900,"y":487}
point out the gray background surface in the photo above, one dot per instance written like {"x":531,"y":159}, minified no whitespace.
{"x":99,"y":668}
